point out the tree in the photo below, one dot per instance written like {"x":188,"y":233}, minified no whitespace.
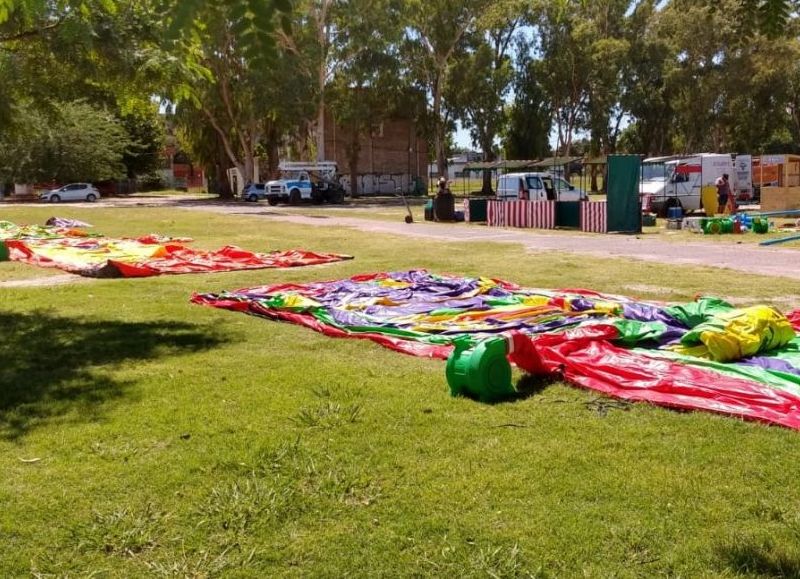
{"x":482,"y":76}
{"x":229,"y":92}
{"x":565,"y":67}
{"x":367,"y":85}
{"x":645,"y":93}
{"x":529,"y":115}
{"x":77,"y":142}
{"x":435,"y":33}
{"x":603,"y":29}
{"x":146,"y":133}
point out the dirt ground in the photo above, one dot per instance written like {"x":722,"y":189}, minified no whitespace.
{"x":771,"y":261}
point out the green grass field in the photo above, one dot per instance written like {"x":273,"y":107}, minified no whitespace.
{"x":141,"y":435}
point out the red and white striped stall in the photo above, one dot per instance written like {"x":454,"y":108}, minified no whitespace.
{"x":594,"y":216}
{"x":537,"y":214}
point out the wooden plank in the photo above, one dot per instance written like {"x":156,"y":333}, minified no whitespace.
{"x":780,"y":198}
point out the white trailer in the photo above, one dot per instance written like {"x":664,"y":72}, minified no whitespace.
{"x":679,"y":181}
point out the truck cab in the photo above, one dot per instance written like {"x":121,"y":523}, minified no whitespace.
{"x":302,"y":181}
{"x":292,"y":187}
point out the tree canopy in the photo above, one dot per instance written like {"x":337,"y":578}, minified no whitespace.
{"x":261,"y":78}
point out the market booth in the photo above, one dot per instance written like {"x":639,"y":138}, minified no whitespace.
{"x":619,"y":213}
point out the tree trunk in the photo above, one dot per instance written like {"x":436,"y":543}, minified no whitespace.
{"x":439,"y":128}
{"x":273,"y":155}
{"x":321,"y":123}
{"x":221,"y":173}
{"x":488,"y":156}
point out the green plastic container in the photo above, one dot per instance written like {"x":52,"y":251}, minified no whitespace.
{"x":482,"y":372}
{"x":760,"y":225}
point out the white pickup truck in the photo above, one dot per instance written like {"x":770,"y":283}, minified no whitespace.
{"x":316,"y":182}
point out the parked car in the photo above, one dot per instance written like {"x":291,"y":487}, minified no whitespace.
{"x":254,"y":192}
{"x":537,"y":187}
{"x":71,"y":192}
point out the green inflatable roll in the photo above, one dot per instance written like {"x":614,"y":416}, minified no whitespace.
{"x":727,"y":226}
{"x":712,"y":226}
{"x":716,"y":225}
{"x":482,"y":372}
{"x":3,"y":251}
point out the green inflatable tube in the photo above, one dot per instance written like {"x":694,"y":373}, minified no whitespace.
{"x":482,"y":372}
{"x":3,"y":251}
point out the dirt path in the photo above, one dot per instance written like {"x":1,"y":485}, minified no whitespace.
{"x":46,"y":281}
{"x":771,"y":261}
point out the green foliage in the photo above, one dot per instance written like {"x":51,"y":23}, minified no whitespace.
{"x":146,"y":132}
{"x":252,"y":22}
{"x":529,"y":116}
{"x":76,"y":142}
{"x":437,"y":32}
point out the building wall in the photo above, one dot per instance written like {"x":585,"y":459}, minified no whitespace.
{"x":392,"y":157}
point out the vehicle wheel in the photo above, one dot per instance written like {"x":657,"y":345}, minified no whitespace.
{"x":54,"y":198}
{"x":253,"y":198}
{"x":294,"y":197}
{"x":272,"y":200}
{"x":91,"y":197}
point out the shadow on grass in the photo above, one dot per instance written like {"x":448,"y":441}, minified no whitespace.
{"x":52,"y":365}
{"x":530,"y":385}
{"x":759,"y":558}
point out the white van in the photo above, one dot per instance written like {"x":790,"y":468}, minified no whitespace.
{"x":678,"y":181}
{"x":537,"y":187}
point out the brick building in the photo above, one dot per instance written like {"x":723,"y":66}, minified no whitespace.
{"x":392,"y":156}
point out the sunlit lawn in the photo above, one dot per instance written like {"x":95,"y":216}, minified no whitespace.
{"x":144,"y":436}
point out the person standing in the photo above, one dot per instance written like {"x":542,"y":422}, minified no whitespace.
{"x":723,"y":194}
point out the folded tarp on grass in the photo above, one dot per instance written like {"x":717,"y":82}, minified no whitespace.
{"x":704,"y":355}
{"x":97,"y":256}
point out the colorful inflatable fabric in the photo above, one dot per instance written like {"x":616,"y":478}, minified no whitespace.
{"x":704,"y":355}
{"x":9,"y":230}
{"x":96,"y":256}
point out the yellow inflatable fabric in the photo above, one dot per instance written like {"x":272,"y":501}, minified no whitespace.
{"x":738,"y":334}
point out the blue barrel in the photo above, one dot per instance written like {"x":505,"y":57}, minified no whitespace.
{"x":674,"y":212}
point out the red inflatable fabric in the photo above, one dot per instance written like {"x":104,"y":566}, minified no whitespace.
{"x":182,"y":259}
{"x":794,"y":318}
{"x":586,"y":357}
{"x":145,"y":257}
{"x":612,"y":344}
